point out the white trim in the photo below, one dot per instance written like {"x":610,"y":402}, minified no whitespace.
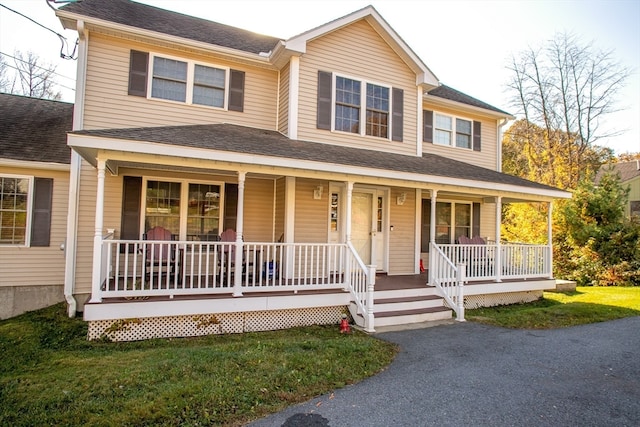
{"x":126,"y":31}
{"x":189,"y":82}
{"x":419,"y":123}
{"x":152,"y":148}
{"x":443,"y":102}
{"x":453,"y":131}
{"x":424,"y":75}
{"x":418,"y":232}
{"x":294,"y":96}
{"x":28,"y":164}
{"x":29,"y":210}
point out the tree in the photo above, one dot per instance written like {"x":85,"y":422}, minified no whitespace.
{"x":595,"y":243}
{"x":30,"y":78}
{"x":4,"y":79}
{"x":564,"y":90}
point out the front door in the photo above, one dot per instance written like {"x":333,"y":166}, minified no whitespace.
{"x":367,"y":227}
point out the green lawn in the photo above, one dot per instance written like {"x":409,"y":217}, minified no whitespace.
{"x":556,"y":310}
{"x":50,"y":374}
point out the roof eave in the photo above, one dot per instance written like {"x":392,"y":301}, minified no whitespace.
{"x":437,"y":100}
{"x":69,"y":21}
{"x":88,"y":146}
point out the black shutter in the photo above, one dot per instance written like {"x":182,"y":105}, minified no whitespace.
{"x":323,"y":120}
{"x":475,"y":231}
{"x":397,"y":117}
{"x":427,"y":122}
{"x":41,"y":217}
{"x":130,"y":219}
{"x":236,"y":91}
{"x":477,"y":128}
{"x":138,"y":68}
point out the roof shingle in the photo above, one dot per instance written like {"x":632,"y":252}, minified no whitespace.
{"x":34,"y":129}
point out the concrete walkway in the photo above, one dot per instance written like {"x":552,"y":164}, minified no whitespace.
{"x":467,"y":374}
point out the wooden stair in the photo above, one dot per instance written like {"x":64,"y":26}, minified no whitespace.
{"x":405,"y":306}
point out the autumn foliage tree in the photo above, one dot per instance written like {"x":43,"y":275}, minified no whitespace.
{"x":563,"y":92}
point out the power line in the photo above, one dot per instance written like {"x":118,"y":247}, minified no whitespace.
{"x":57,"y":84}
{"x":62,"y":38}
{"x":37,"y":66}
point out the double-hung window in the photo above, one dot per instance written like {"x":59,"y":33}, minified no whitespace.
{"x":452,"y":131}
{"x":357,"y":106}
{"x":188,"y":82}
{"x":14,"y":208}
{"x":349,"y":97}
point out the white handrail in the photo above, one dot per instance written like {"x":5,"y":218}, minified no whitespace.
{"x":361,"y":284}
{"x":448,"y":279}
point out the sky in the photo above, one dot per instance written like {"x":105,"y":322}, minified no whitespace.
{"x":466,"y":44}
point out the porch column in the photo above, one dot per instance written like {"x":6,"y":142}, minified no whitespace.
{"x":432,"y":230}
{"x":237,"y":278}
{"x":498,"y":260}
{"x":96,"y":278}
{"x":550,"y":240}
{"x":347,"y":228}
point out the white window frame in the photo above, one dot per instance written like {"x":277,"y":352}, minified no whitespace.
{"x":184,"y":201}
{"x":29,"y":213}
{"x":190,"y":80}
{"x":363,"y":106}
{"x":453,"y":131}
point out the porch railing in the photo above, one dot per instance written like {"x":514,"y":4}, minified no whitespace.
{"x":501,"y":261}
{"x":137,"y":269}
{"x":448,"y":278}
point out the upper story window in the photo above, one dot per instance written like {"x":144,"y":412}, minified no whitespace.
{"x":186,"y":81}
{"x":25,"y":210}
{"x":443,"y":129}
{"x":360,"y":107}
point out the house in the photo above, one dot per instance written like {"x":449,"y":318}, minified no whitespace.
{"x":34,"y":188}
{"x":629,"y":173}
{"x":229,"y":181}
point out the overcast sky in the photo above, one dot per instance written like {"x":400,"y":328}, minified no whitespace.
{"x":467,"y":44}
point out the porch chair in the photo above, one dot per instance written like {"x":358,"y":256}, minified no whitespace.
{"x":160,"y":258}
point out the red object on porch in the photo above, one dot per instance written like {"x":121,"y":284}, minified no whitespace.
{"x":421,"y":266}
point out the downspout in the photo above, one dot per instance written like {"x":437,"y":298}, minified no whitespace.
{"x":74,"y":175}
{"x":501,"y":124}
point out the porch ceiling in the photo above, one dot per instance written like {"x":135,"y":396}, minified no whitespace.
{"x":232,"y":145}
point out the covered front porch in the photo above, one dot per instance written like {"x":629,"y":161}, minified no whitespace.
{"x":261,"y":235}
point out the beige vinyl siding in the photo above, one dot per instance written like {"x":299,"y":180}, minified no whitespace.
{"x":358,"y":52}
{"x":283,"y":108}
{"x":33,"y":266}
{"x":258,"y":210}
{"x":487,"y":158}
{"x":312,"y":216}
{"x":280,"y":208}
{"x":488,"y":221}
{"x":107,"y":104}
{"x":403,"y":237}
{"x":634,"y":193}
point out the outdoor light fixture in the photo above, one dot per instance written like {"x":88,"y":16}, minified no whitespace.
{"x":401,"y":199}
{"x":317,"y":193}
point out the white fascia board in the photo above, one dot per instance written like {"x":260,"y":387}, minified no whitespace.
{"x":436,"y":100}
{"x":85,"y":142}
{"x":152,"y":36}
{"x":26,"y":164}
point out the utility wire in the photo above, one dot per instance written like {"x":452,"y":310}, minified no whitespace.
{"x":37,"y":66}
{"x":57,"y":84}
{"x":62,"y":38}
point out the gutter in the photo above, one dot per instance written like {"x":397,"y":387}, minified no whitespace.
{"x":501,"y":123}
{"x":74,"y":176}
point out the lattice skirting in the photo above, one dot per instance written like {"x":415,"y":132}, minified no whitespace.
{"x":506,"y":298}
{"x":208,"y":324}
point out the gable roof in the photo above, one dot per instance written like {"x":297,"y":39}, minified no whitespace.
{"x":626,"y":170}
{"x":259,"y":142}
{"x":34,"y":129}
{"x":152,"y":18}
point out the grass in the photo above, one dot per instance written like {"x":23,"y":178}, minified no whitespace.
{"x":556,"y":310}
{"x":51,"y":375}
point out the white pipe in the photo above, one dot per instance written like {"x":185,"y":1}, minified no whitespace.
{"x":501,"y":124}
{"x":74,"y":175}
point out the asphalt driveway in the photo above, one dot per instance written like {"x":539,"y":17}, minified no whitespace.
{"x":467,"y":374}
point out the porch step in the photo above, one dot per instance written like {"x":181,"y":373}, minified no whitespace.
{"x":403,"y":317}
{"x":382,"y":305}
